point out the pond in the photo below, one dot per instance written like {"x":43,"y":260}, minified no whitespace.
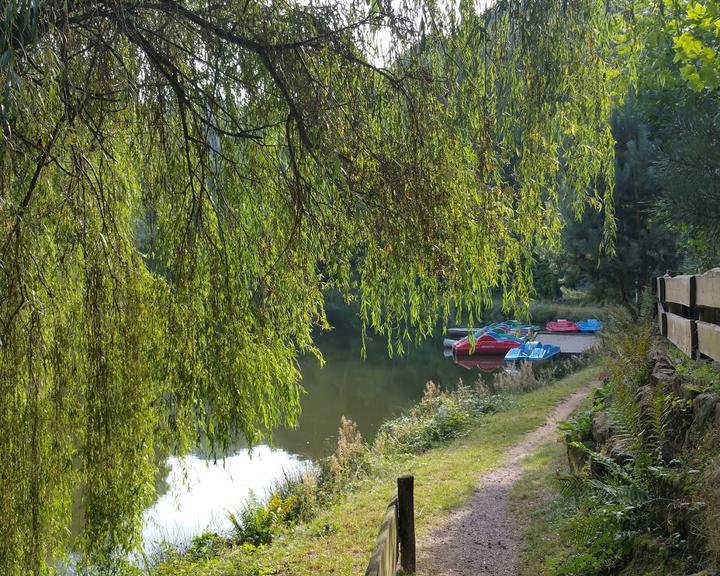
{"x":197,"y":493}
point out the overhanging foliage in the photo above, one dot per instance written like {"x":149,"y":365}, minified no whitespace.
{"x":180,"y":182}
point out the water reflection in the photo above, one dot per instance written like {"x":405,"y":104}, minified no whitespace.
{"x":201,"y":492}
{"x":485,"y":364}
{"x":367,"y":391}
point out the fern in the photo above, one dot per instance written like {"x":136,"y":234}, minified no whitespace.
{"x":627,"y":488}
{"x":573,"y":486}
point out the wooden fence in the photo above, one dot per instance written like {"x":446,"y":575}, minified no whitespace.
{"x":689,"y":312}
{"x":396,"y":539}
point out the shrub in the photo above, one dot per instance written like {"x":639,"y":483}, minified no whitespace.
{"x":206,"y":545}
{"x":603,"y":542}
{"x":441,"y":416}
{"x":293,"y":497}
{"x":256,"y":523}
{"x":349,"y":460}
{"x":579,"y":427}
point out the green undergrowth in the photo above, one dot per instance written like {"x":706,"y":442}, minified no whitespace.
{"x":635,"y":490}
{"x":543,"y":310}
{"x":453,"y":437}
{"x":702,"y":376}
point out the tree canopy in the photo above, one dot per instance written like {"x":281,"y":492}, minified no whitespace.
{"x":667,"y":154}
{"x":673,"y":48}
{"x":180,"y":181}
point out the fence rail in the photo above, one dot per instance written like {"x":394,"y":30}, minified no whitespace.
{"x":689,"y":312}
{"x":396,"y":539}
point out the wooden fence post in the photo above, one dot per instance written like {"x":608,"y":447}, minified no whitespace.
{"x":406,"y":523}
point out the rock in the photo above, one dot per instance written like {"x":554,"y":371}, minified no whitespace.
{"x":677,"y":419}
{"x":663,"y":371}
{"x":645,"y":398}
{"x":576,"y":458}
{"x":705,"y":408}
{"x":601,"y":427}
{"x":664,"y":375}
{"x":716,"y":422}
{"x":616,"y":450}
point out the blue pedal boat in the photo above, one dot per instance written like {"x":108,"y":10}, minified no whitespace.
{"x":589,"y":325}
{"x":532,"y":352}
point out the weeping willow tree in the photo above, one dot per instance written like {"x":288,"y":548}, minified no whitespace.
{"x":180,"y":181}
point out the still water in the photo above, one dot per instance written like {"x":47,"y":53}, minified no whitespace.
{"x":197,"y":493}
{"x":200,"y":493}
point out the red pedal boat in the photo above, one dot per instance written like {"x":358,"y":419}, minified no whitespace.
{"x":562,"y":326}
{"x":487,"y":343}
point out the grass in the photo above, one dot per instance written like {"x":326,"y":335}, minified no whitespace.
{"x":340,"y":539}
{"x":537,"y":505}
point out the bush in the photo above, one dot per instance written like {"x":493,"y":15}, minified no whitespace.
{"x":294,"y":497}
{"x":601,"y":537}
{"x":579,"y":427}
{"x":439,"y":417}
{"x":205,"y":546}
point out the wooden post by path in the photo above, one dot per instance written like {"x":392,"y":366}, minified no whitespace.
{"x":406,"y":523}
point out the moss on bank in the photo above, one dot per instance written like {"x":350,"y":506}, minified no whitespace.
{"x":339,"y":540}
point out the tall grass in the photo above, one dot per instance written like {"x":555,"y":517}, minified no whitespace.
{"x":439,"y":417}
{"x":527,"y":376}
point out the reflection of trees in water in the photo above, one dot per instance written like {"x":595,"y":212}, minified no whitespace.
{"x":368,"y":391}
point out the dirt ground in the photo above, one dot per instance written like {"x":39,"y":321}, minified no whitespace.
{"x":480,"y":538}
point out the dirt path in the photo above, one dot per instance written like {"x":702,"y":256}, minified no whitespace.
{"x":480,"y":537}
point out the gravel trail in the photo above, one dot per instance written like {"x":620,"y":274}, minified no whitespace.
{"x":480,"y":538}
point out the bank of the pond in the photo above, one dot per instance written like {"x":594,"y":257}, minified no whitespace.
{"x":196,"y":493}
{"x":338,"y":538}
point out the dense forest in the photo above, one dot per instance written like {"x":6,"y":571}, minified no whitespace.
{"x":665,"y":128}
{"x":182,"y":182}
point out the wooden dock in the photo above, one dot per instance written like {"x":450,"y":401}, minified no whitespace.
{"x":570,"y":343}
